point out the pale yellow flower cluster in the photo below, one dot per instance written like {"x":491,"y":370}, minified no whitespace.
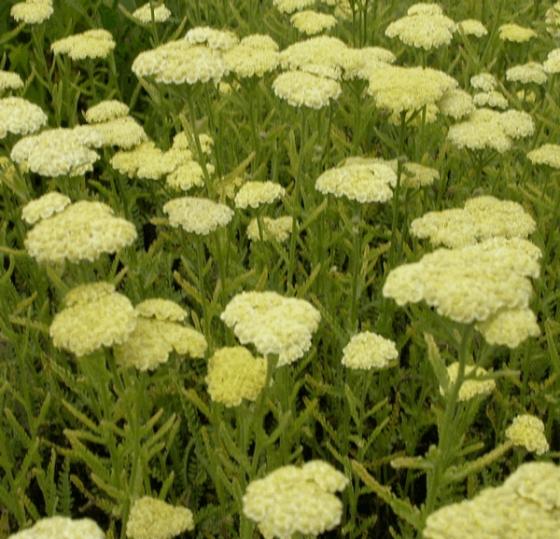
{"x":357,"y":63}
{"x":416,"y":175}
{"x":489,"y":129}
{"x":32,"y":11}
{"x":472,"y":27}
{"x":222,"y":40}
{"x":526,"y":505}
{"x":96,"y":43}
{"x":61,"y":528}
{"x":423,"y":28}
{"x":255,"y":194}
{"x":197,"y":215}
{"x":144,"y":13}
{"x":531,"y":72}
{"x":528,"y":431}
{"x":492,"y":99}
{"x":472,"y":283}
{"x":20,"y":117}
{"x":471,"y":387}
{"x":399,"y":89}
{"x":509,"y":327}
{"x":456,"y":103}
{"x":289,"y":6}
{"x":254,"y":56}
{"x":552,"y":63}
{"x":44,"y":207}
{"x":105,"y":111}
{"x":95,"y":316}
{"x":273,"y":323}
{"x":301,"y":89}
{"x":547,"y":154}
{"x":481,"y":218}
{"x":59,"y":152}
{"x":311,"y":22}
{"x":552,"y":20}
{"x":515,"y":33}
{"x":363,"y":183}
{"x":484,"y":81}
{"x":151,"y":518}
{"x":10,"y":81}
{"x":369,"y":351}
{"x":235,"y":374}
{"x":296,"y":500}
{"x":80,"y":231}
{"x":278,"y":229}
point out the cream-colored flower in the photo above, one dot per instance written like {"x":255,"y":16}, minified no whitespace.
{"x":357,"y":63}
{"x":363,"y":183}
{"x":82,"y":231}
{"x":273,"y":323}
{"x":471,"y":387}
{"x":532,"y":72}
{"x":90,"y":44}
{"x":32,"y":11}
{"x":509,"y":327}
{"x":515,"y":33}
{"x":20,"y":117}
{"x":61,"y":528}
{"x":493,"y":99}
{"x":368,"y":350}
{"x":213,"y":38}
{"x":289,"y":6}
{"x":161,"y":309}
{"x":416,"y":175}
{"x":105,"y":111}
{"x":312,"y":22}
{"x":10,"y":81}
{"x":44,"y":207}
{"x":485,"y":82}
{"x":151,"y":518}
{"x":305,"y":89}
{"x":249,"y":61}
{"x":456,"y":104}
{"x":547,"y":154}
{"x":296,"y":500}
{"x":552,"y":63}
{"x":197,"y":215}
{"x":255,"y":194}
{"x":472,"y":27}
{"x":84,"y":327}
{"x":528,"y":431}
{"x":278,"y":229}
{"x":235,"y":374}
{"x":144,"y":13}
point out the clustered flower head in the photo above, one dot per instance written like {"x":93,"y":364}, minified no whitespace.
{"x":509,"y":327}
{"x":235,"y":374}
{"x":10,"y":81}
{"x":301,"y":89}
{"x":526,"y":505}
{"x":531,"y":72}
{"x":144,"y":13}
{"x":180,"y":62}
{"x":528,"y":431}
{"x":492,"y":99}
{"x":20,"y":117}
{"x":289,"y":6}
{"x":32,"y":11}
{"x":255,"y":194}
{"x":61,"y":528}
{"x":151,"y":518}
{"x":357,"y":63}
{"x":222,"y":40}
{"x":489,"y":129}
{"x":94,"y":316}
{"x":278,"y":229}
{"x":312,"y":22}
{"x":197,"y":215}
{"x":547,"y":154}
{"x":471,"y":387}
{"x":74,"y":232}
{"x":105,"y":111}
{"x":399,"y":89}
{"x":515,"y":33}
{"x":552,"y":63}
{"x":159,"y":331}
{"x":416,"y":175}
{"x":472,"y":27}
{"x":482,"y":218}
{"x":456,"y":103}
{"x":273,"y":323}
{"x":368,"y":350}
{"x":472,"y":283}
{"x":423,"y":28}
{"x":96,"y":43}
{"x":361,"y":182}
{"x":296,"y":500}
{"x":254,"y":56}
{"x":59,"y":152}
{"x":552,"y":20}
{"x":484,"y":81}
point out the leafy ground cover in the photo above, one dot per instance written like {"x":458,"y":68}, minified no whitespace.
{"x":279,"y":268}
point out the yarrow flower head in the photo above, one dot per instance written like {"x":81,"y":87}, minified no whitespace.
{"x":526,"y":505}
{"x":368,"y":350}
{"x":531,"y":72}
{"x":253,"y":57}
{"x":278,"y":229}
{"x":482,"y":218}
{"x":197,"y":215}
{"x":493,"y":99}
{"x":528,"y":431}
{"x":32,"y":11}
{"x":273,"y":323}
{"x":255,"y":194}
{"x":509,"y":327}
{"x":552,"y":63}
{"x":472,"y":27}
{"x":61,"y":527}
{"x":456,"y":104}
{"x":96,"y":43}
{"x":95,"y":316}
{"x":515,"y":33}
{"x":104,"y":111}
{"x":81,"y":231}
{"x":357,"y":63}
{"x":425,"y":29}
{"x":291,"y":500}
{"x":547,"y":154}
{"x":312,"y":22}
{"x":289,"y":6}
{"x":301,"y":89}
{"x":552,"y":20}
{"x":44,"y":207}
{"x":151,"y":518}
{"x":20,"y":117}
{"x":471,"y":387}
{"x":159,"y":332}
{"x":472,"y":283}
{"x":144,"y":13}
{"x":484,"y":81}
{"x":10,"y":81}
{"x":213,"y":38}
{"x":363,"y":183}
{"x":235,"y":374}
